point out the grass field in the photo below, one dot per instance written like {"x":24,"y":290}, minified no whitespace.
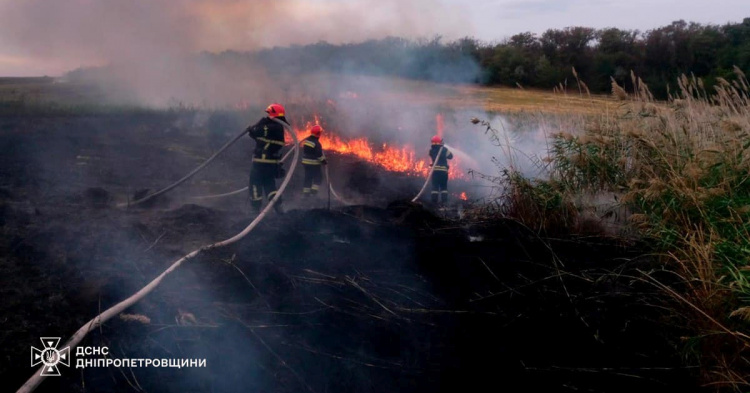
{"x":490,"y":99}
{"x":46,"y":90}
{"x":52,"y":96}
{"x":57,"y":94}
{"x":679,"y":169}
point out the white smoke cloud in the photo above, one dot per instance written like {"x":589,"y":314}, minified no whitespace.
{"x":69,"y":33}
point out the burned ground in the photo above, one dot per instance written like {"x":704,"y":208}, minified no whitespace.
{"x":373,"y":297}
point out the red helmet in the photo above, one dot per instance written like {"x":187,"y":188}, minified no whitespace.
{"x":275,"y":110}
{"x":316,"y":130}
{"x":437,"y":140}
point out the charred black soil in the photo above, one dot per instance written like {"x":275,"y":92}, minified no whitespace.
{"x":369,"y":298}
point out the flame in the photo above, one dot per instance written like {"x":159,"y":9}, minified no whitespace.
{"x":391,"y":158}
{"x":464,"y":197}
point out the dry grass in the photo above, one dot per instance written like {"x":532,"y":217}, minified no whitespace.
{"x":683,"y":169}
{"x":490,"y":99}
{"x":40,"y":95}
{"x":135,"y":318}
{"x":499,"y":99}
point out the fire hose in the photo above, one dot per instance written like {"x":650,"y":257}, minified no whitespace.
{"x":429,"y":175}
{"x":330,"y":186}
{"x":37,"y":378}
{"x":332,"y":190}
{"x":186,"y":177}
{"x":235,"y":192}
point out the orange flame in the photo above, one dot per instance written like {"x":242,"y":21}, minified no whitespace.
{"x":464,"y":197}
{"x":394,"y":159}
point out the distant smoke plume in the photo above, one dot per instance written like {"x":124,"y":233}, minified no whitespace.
{"x":87,"y":32}
{"x":195,"y":52}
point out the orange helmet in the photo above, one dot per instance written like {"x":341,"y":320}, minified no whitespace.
{"x":316,"y":130}
{"x":437,"y":140}
{"x":275,"y":110}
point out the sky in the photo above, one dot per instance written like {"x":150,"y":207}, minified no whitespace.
{"x":493,"y":19}
{"x":50,"y":37}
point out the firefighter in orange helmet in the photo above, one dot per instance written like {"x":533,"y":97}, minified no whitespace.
{"x":269,"y":139}
{"x":312,"y":160}
{"x":440,"y":174}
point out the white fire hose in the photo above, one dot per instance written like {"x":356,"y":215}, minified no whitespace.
{"x":333,"y":191}
{"x":186,"y":177}
{"x":37,"y":378}
{"x":235,"y":192}
{"x":283,"y":159}
{"x":240,"y":191}
{"x":328,"y":180}
{"x":429,"y":175}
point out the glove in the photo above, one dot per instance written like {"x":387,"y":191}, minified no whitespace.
{"x":324,"y":162}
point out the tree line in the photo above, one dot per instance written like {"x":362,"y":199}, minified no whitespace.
{"x":658,"y":56}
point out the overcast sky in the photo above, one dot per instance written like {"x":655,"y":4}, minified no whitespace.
{"x":492,"y":19}
{"x":49,"y":37}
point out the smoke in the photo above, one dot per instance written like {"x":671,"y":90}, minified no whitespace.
{"x":86,"y":31}
{"x":165,"y":52}
{"x":408,"y":113}
{"x":150,"y":44}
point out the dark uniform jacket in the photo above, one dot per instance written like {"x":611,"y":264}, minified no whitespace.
{"x":312,"y":151}
{"x":269,"y":139}
{"x":442,"y":161}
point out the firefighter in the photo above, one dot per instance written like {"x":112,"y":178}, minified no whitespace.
{"x":440,"y":174}
{"x":312,"y":160}
{"x":267,"y":166}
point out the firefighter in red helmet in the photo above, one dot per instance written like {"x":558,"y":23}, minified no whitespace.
{"x":440,"y":174}
{"x":312,"y":160}
{"x":266,"y":168}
